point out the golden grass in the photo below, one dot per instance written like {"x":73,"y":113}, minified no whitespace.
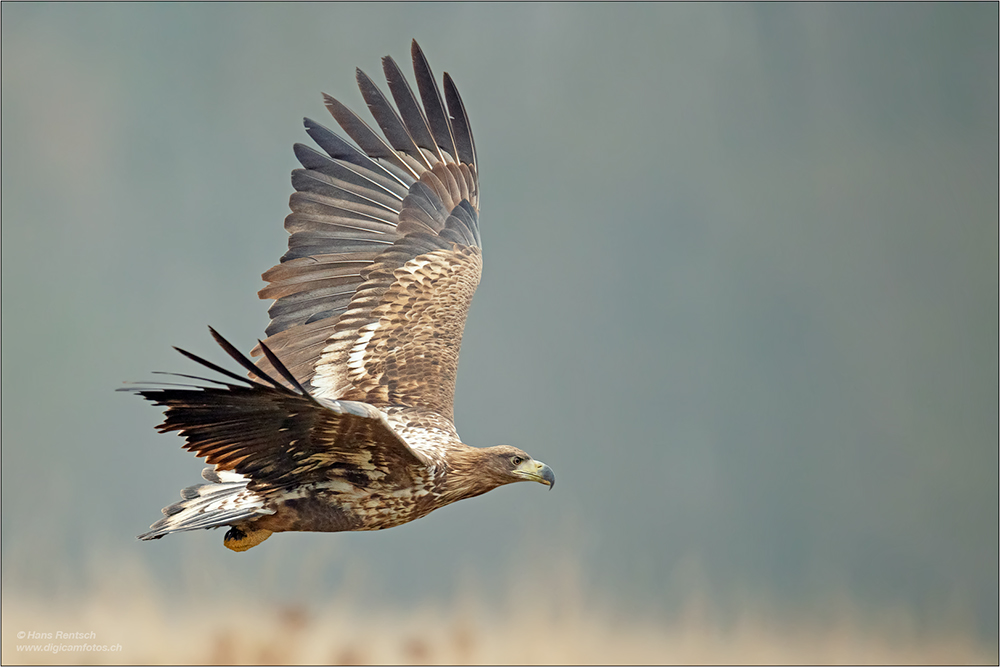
{"x":245,"y":633}
{"x":154,"y":627}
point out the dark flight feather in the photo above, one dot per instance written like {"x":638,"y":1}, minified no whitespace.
{"x":409,"y":109}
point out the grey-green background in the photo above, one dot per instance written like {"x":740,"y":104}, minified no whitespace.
{"x":740,"y":290}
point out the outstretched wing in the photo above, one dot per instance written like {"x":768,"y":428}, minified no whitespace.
{"x":279,"y":436}
{"x":384,"y":255}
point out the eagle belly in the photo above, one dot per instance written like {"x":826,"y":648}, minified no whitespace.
{"x":342,"y":506}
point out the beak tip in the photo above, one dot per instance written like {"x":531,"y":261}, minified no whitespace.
{"x":547,"y":475}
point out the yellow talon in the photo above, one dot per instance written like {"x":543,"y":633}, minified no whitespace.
{"x":241,"y":539}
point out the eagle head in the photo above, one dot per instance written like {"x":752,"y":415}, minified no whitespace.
{"x":507,"y":464}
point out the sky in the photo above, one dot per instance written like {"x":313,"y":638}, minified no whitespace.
{"x":740,"y":290}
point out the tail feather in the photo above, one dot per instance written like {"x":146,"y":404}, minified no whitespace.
{"x":222,"y":502}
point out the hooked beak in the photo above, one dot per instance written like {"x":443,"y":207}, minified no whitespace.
{"x":536,"y":471}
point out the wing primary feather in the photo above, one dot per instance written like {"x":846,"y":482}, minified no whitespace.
{"x":191,"y":377}
{"x":409,"y":109}
{"x":209,"y":364}
{"x":329,"y":187}
{"x":282,"y":370}
{"x":365,"y":137}
{"x":141,"y":387}
{"x":459,"y":122}
{"x":312,"y":204}
{"x":240,"y":359}
{"x":339,"y":149}
{"x":437,"y":118}
{"x":312,"y":159}
{"x":387,"y":118}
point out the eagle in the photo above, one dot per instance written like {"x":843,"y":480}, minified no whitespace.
{"x":345,"y":421}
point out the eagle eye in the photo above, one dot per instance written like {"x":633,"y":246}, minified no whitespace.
{"x":516,"y":460}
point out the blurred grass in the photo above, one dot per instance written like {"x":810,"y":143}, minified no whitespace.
{"x":541,"y":620}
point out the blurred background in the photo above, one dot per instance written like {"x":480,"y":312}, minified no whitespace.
{"x":740,"y":292}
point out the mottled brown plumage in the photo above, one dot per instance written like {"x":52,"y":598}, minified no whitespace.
{"x":346,"y":421}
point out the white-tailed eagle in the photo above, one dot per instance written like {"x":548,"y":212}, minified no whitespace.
{"x":345,"y":421}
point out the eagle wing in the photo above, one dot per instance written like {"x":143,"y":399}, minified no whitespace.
{"x":280,"y":437}
{"x":384,"y":255}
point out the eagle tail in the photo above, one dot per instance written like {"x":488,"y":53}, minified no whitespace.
{"x":225,"y":500}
